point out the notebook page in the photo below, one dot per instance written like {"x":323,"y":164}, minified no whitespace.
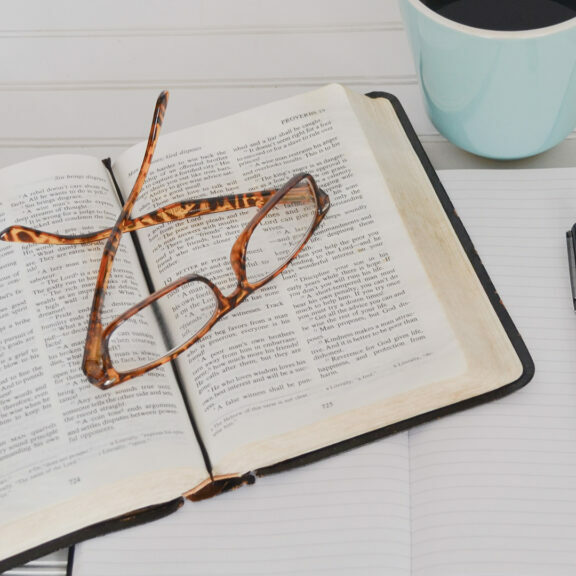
{"x":494,"y":488}
{"x":348,"y":514}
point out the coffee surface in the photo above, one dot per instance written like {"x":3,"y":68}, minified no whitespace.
{"x":505,"y":14}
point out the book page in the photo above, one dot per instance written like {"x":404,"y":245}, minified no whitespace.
{"x":352,"y":321}
{"x":493,"y":487}
{"x":344,"y":515}
{"x":62,"y":439}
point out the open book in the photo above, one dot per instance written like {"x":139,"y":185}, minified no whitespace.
{"x":385,"y":319}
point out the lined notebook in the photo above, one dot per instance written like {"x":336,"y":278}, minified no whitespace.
{"x":489,"y":491}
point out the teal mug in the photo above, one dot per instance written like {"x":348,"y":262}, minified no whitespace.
{"x":498,"y":93}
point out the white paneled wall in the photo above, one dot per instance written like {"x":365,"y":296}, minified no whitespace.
{"x":83,"y":76}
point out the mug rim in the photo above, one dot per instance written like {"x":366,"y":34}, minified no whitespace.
{"x":486,"y":32}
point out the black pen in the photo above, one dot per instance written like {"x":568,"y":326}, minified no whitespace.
{"x":571,"y":241}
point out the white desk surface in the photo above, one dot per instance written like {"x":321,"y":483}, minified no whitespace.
{"x":83,"y":76}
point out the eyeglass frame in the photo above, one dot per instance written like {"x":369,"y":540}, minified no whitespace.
{"x":97,"y":364}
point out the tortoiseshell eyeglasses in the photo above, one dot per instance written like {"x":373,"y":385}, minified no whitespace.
{"x":284,"y":221}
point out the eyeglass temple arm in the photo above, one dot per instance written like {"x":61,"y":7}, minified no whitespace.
{"x":93,"y":363}
{"x":169,"y":213}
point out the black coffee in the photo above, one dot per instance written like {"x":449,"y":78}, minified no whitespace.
{"x":505,"y":14}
